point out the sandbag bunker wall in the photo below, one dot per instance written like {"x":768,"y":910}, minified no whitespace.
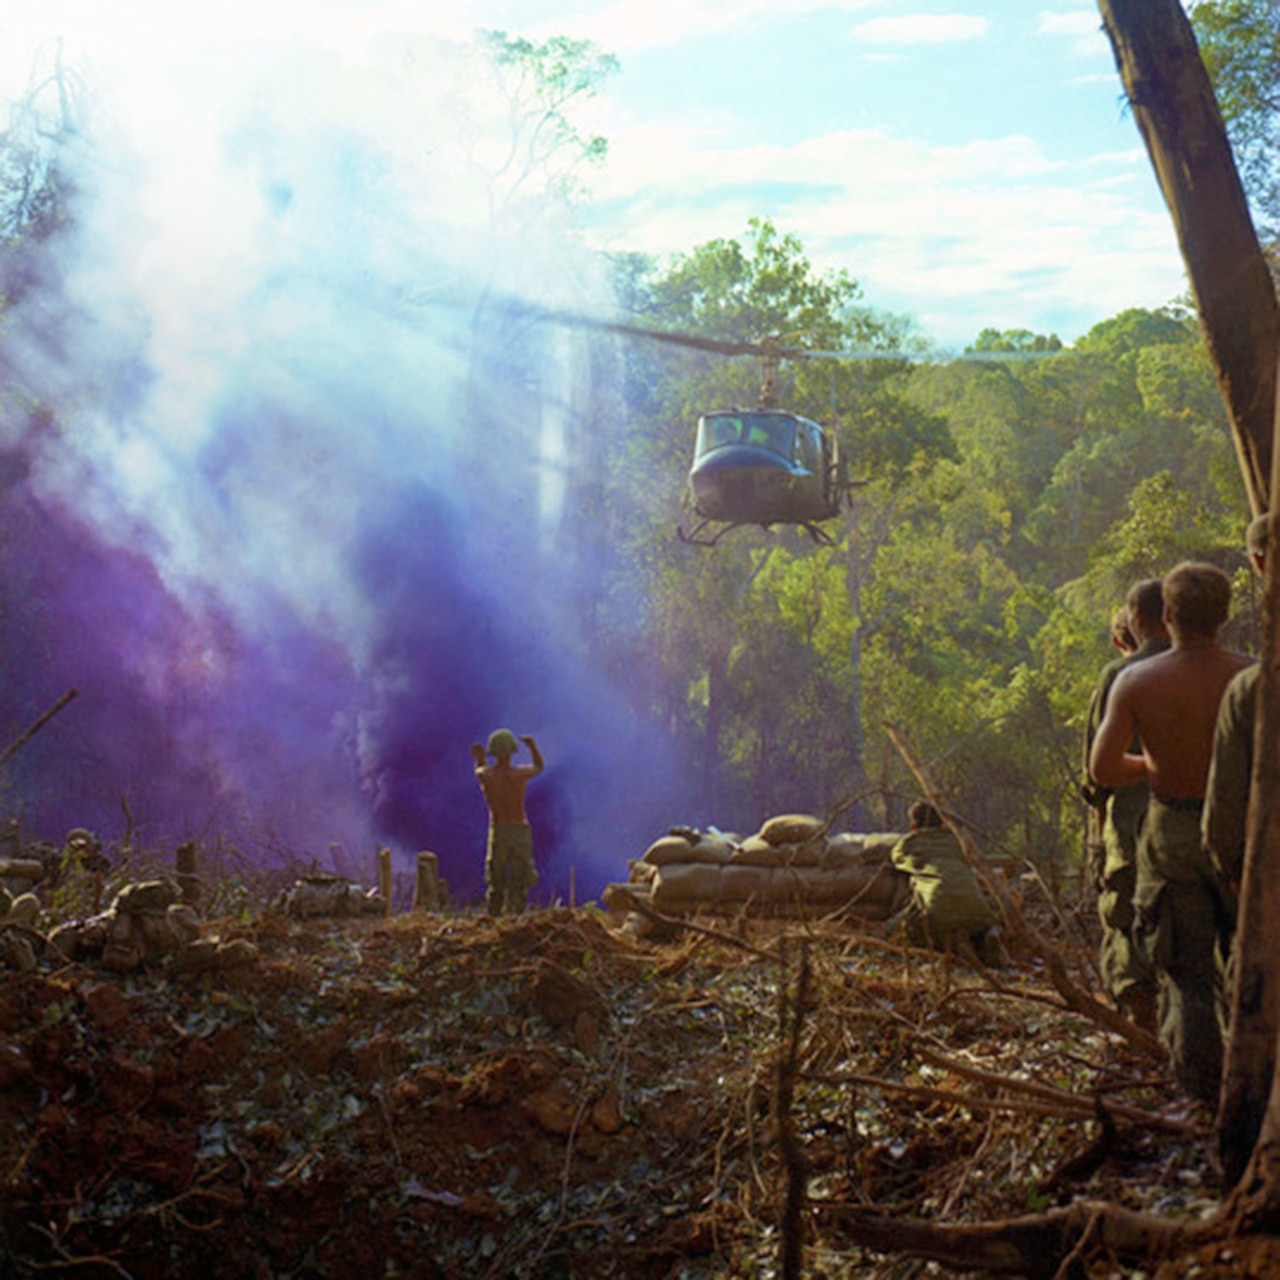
{"x":791,"y":866}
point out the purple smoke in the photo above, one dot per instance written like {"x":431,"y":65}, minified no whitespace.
{"x":298,"y":546}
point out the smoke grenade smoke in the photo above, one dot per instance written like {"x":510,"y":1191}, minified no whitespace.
{"x":289,"y":486}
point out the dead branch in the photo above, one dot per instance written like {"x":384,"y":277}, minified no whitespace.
{"x":791,"y":1013}
{"x":1059,"y":1097}
{"x":23,"y":738}
{"x":1033,"y":1246}
{"x":677,"y":922}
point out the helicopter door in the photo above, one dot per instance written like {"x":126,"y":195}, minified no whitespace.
{"x":808,"y":450}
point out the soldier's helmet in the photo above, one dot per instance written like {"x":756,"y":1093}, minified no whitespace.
{"x":503,"y":744}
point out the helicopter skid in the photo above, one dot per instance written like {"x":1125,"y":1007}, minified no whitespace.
{"x":695,"y":538}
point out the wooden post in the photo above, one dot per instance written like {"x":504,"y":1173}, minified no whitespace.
{"x":426,"y":889}
{"x":384,"y":879}
{"x":185,"y":864}
{"x":572,"y":903}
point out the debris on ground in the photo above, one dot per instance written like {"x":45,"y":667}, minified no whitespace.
{"x":430,"y":1095}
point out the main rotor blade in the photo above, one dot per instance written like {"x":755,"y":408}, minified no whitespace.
{"x":721,"y":346}
{"x":766,"y":349}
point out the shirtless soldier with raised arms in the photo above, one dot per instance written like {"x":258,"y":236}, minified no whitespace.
{"x":508,"y":865}
{"x":1171,"y":702}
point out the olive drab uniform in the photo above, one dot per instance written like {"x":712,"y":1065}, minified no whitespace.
{"x":1226,"y":799}
{"x":1183,"y":923}
{"x":946,"y":900}
{"x":1127,"y":973}
{"x":509,"y":869}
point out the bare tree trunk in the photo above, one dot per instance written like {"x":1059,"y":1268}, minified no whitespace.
{"x":1175,"y":110}
{"x":717,"y":683}
{"x":1178,"y":116}
{"x":1249,"y":1071}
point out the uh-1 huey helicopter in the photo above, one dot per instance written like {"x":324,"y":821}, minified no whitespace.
{"x":768,"y":466}
{"x":762,"y":466}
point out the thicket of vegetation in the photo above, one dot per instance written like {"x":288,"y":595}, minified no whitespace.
{"x":1003,"y":507}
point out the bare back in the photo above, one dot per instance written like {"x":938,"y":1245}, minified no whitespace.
{"x":504,"y":785}
{"x":1171,"y":702}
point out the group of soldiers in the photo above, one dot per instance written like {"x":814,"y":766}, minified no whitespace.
{"x":1168,"y":760}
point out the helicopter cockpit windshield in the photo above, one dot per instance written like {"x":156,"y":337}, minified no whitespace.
{"x":773,"y":432}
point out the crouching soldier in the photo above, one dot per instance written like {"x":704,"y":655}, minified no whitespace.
{"x":947,"y":903}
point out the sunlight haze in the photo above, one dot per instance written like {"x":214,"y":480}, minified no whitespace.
{"x":970,"y":166}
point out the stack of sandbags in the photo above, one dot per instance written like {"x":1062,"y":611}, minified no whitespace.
{"x":790,"y":865}
{"x":314,"y":897}
{"x":146,"y":922}
{"x":20,"y":943}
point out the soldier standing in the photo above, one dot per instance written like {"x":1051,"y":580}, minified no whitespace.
{"x":1170,"y":702}
{"x":509,"y":870}
{"x":1113,"y":827}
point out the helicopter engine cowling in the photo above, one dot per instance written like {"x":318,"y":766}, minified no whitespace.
{"x":745,"y":485}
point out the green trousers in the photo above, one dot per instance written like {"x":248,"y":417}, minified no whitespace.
{"x":509,"y":872}
{"x":1182,"y":923}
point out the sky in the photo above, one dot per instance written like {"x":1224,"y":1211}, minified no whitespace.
{"x":971,"y":165}
{"x":285,"y":466}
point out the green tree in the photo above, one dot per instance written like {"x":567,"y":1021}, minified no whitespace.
{"x":772,"y":685}
{"x":543,"y":85}
{"x":1015,"y":341}
{"x":1240,"y":44}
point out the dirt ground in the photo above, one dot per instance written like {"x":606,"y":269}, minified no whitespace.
{"x":553,"y":1096}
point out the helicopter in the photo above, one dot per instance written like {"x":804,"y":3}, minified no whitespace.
{"x":762,"y":466}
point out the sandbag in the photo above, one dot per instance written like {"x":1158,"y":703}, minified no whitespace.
{"x":845,"y":844}
{"x":641,"y":872}
{"x":790,"y":886}
{"x":624,"y":897}
{"x":880,"y":843}
{"x":667,"y":850}
{"x":745,"y":883}
{"x":755,"y":851}
{"x":681,"y":884}
{"x":758,"y":852}
{"x":712,"y":849}
{"x":793,"y":828}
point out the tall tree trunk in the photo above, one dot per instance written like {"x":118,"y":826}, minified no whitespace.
{"x":1175,"y":110}
{"x":1249,"y":1071}
{"x":854,"y":572}
{"x":717,"y":683}
{"x":1177,"y":114}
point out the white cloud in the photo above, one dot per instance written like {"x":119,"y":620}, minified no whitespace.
{"x":959,"y":236}
{"x":1082,"y":27}
{"x":921,"y":28}
{"x":1074,"y":22}
{"x":993,"y":232}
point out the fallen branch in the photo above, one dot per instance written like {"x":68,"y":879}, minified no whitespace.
{"x":791,"y":1013}
{"x":678,"y":922}
{"x":1034,"y":1246}
{"x":1060,"y":1097}
{"x":23,"y":738}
